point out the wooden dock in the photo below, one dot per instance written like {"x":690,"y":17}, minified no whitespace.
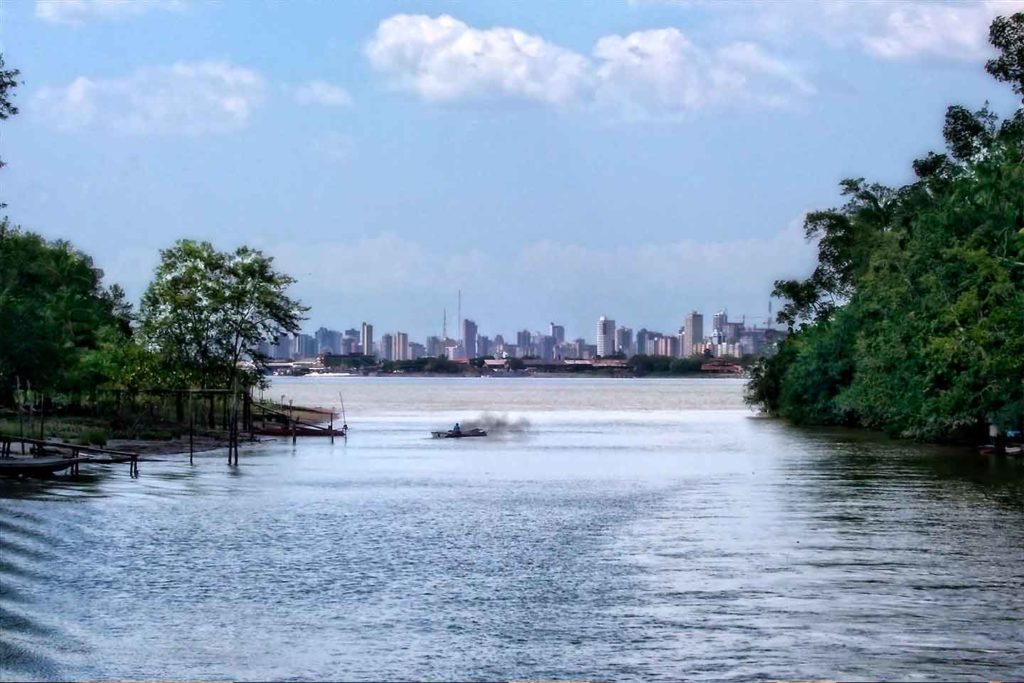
{"x":47,"y":457}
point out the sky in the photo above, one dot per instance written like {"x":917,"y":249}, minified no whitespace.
{"x":553,"y":161}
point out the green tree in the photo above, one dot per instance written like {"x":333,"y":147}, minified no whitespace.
{"x":206,"y":311}
{"x":913,"y":319}
{"x":56,"y":314}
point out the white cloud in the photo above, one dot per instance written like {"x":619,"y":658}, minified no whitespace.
{"x":644,"y":75}
{"x":905,"y":30}
{"x":661,"y":74}
{"x":79,"y":11}
{"x":943,"y":30}
{"x":444,"y":60}
{"x":322,"y":93}
{"x":187,"y":97}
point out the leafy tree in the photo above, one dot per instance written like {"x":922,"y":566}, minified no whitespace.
{"x":56,"y":314}
{"x":913,"y":320}
{"x":206,"y":311}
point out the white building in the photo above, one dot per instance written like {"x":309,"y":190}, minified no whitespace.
{"x":605,"y":336}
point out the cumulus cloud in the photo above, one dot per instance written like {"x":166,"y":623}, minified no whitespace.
{"x":943,"y":30}
{"x":906,"y":30}
{"x":644,"y":75}
{"x":187,"y":97}
{"x":443,"y":59}
{"x":79,"y":11}
{"x":322,"y":93}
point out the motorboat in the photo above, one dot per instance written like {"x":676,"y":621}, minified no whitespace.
{"x":460,"y":434}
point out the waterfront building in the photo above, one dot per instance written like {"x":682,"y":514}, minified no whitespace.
{"x":416,"y":350}
{"x":667,"y":346}
{"x":546,"y":347}
{"x":434,"y":349}
{"x":624,"y":341}
{"x":469,"y":339}
{"x":605,"y":336}
{"x":283,"y":348}
{"x":523,"y":343}
{"x":693,"y":335}
{"x":718,"y":321}
{"x":558,"y":332}
{"x":400,"y":346}
{"x":328,"y":341}
{"x":484,"y":346}
{"x":387,"y":347}
{"x":366,"y":339}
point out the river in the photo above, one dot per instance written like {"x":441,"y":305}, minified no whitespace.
{"x":607,"y":529}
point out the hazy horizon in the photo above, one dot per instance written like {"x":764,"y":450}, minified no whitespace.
{"x":554,"y":162}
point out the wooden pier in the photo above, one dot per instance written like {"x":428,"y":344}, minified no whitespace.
{"x":48,"y":457}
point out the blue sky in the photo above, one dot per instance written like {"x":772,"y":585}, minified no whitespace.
{"x":555,"y":161}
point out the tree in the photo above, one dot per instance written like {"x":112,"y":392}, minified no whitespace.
{"x":55,"y":314}
{"x":206,"y":311}
{"x":913,"y":319}
{"x":8,"y":82}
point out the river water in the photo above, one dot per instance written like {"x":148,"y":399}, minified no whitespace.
{"x":608,"y":529}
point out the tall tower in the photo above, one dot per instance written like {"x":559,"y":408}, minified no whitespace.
{"x":469,"y":338}
{"x":693,"y":333}
{"x":605,"y":336}
{"x":366,"y":339}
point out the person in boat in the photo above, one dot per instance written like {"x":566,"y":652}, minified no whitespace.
{"x":456,"y":429}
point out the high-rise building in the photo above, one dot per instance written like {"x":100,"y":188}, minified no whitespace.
{"x":283,"y":349}
{"x":328,"y":341}
{"x":642,"y":337}
{"x":434,"y":348}
{"x":667,"y":346}
{"x":416,"y":350}
{"x":624,"y":341}
{"x":605,"y":336}
{"x":558,"y":332}
{"x":523,"y":345}
{"x":484,"y":346}
{"x":469,"y":339}
{"x":366,"y":339}
{"x":693,"y":333}
{"x":718,"y":321}
{"x":387,"y":347}
{"x":545,"y":346}
{"x":400,"y":346}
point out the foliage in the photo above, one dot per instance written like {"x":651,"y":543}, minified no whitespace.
{"x":913,"y":319}
{"x":8,"y":82}
{"x":57,"y":316}
{"x":206,"y":310}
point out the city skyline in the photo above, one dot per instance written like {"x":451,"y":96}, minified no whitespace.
{"x":725,"y":337}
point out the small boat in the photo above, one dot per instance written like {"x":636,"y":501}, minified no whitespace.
{"x":36,"y":467}
{"x":452,"y":434}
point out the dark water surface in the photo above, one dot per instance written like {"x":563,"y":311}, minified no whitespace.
{"x":623,"y":530}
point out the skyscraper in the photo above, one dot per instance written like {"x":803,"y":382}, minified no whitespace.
{"x":400,"y":346}
{"x":366,"y":339}
{"x":693,"y":333}
{"x":624,"y":341}
{"x":718,"y":321}
{"x":469,"y":339}
{"x":605,"y":336}
{"x":558,"y":332}
{"x":387,"y":347}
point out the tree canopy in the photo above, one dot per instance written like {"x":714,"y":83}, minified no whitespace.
{"x":913,"y":319}
{"x":207,"y":310}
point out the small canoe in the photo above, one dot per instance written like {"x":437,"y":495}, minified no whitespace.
{"x":465,"y":433}
{"x":35,"y":467}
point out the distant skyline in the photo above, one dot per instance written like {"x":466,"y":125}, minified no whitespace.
{"x":553,"y":161}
